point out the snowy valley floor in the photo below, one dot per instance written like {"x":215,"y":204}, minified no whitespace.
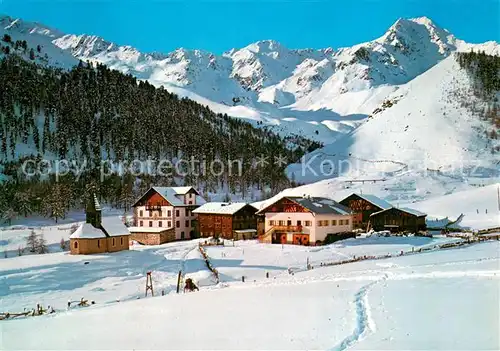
{"x":443,"y":299}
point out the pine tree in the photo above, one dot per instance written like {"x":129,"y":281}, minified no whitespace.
{"x":9,"y":215}
{"x":32,"y":241}
{"x":55,"y":203}
{"x":23,"y":203}
{"x":62,"y":244}
{"x":42,"y":245}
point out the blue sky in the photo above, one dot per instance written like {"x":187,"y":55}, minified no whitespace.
{"x":218,"y":26}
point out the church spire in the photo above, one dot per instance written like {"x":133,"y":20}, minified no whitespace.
{"x":93,"y":211}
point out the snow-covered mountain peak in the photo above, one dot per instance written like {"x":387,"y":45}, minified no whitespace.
{"x":418,"y":33}
{"x":18,"y":25}
{"x":266,"y":46}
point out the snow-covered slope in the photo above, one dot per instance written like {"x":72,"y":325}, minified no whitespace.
{"x":35,"y":34}
{"x":422,"y":128}
{"x":360,"y":306}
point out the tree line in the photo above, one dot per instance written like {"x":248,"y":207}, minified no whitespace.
{"x":92,"y":113}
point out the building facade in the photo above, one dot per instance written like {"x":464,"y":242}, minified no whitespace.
{"x":363,"y":206}
{"x":163,"y":209}
{"x":398,"y":220}
{"x":98,"y":234}
{"x":226,"y":220}
{"x":304,"y":220}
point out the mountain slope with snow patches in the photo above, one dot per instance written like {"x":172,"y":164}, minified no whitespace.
{"x":321,"y":94}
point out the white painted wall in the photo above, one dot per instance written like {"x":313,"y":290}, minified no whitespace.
{"x":168,"y":219}
{"x":315,"y":231}
{"x":322,"y":232}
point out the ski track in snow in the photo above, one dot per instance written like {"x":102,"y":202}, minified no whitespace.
{"x":364,"y":322}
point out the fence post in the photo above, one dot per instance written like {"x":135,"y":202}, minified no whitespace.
{"x":179,"y":281}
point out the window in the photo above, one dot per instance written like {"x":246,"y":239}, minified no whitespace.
{"x":150,"y":223}
{"x":182,"y":235}
{"x":271,"y":223}
{"x":121,"y":241}
{"x":289,"y":222}
{"x":160,"y":224}
{"x":320,"y":223}
{"x":76,"y":245}
{"x":178,"y":224}
{"x":326,"y":223}
{"x":299,"y":223}
{"x":187,"y":224}
{"x":281,"y":223}
{"x":113,"y":242}
{"x":334,"y":222}
{"x":169,"y":224}
{"x":98,"y":243}
{"x":190,"y":202}
{"x":346,"y":222}
{"x":141,"y":213}
{"x":141,"y":223}
{"x":341,"y":222}
{"x":169,"y":213}
{"x":177,"y":213}
{"x":187,"y":211}
{"x":192,"y":223}
{"x":308,"y":223}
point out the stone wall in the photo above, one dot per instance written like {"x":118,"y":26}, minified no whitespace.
{"x":145,"y":238}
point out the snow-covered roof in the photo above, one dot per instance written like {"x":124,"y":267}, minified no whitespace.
{"x":322,"y":205}
{"x":113,"y":226}
{"x":87,"y":231}
{"x":413,"y":212}
{"x":147,"y":229}
{"x":319,"y":205}
{"x":229,"y":208}
{"x":376,"y":201}
{"x":243,"y":231}
{"x":403,"y":209}
{"x":171,"y":194}
{"x":182,"y":190}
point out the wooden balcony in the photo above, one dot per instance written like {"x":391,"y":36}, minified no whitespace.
{"x":153,"y":208}
{"x":288,"y":228}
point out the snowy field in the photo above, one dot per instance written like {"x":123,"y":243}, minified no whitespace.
{"x":441,"y":299}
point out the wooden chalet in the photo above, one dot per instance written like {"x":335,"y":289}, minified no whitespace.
{"x":97,"y":234}
{"x":303,"y":220}
{"x":235,"y":220}
{"x":363,"y":206}
{"x":398,"y":220}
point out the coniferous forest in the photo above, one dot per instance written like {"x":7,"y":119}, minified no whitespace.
{"x":91,"y":113}
{"x":484,"y":71}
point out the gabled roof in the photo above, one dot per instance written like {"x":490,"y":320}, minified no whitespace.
{"x":413,"y":212}
{"x":403,"y":209}
{"x":169,"y":194}
{"x":374,"y":200}
{"x":87,"y":231}
{"x":317,"y":205}
{"x":322,"y":205}
{"x":113,"y":226}
{"x":228,"y":208}
{"x":182,"y":190}
{"x":172,"y":194}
